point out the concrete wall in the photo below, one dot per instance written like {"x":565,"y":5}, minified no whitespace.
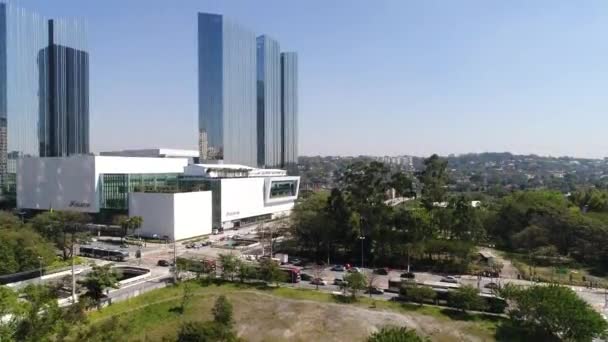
{"x":178,"y":216}
{"x":157,"y":212}
{"x":72,"y":183}
{"x":192,"y":212}
{"x":58,"y":183}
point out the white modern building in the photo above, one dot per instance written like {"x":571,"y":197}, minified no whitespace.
{"x":175,"y":216}
{"x":77,"y":183}
{"x":175,"y":198}
{"x":243,"y":194}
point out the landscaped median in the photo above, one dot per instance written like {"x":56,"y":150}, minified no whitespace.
{"x":282,"y":313}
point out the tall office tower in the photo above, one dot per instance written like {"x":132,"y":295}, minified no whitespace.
{"x":23,"y":35}
{"x":63,"y":97}
{"x":226,"y":90}
{"x":269,"y":102}
{"x":289,"y":108}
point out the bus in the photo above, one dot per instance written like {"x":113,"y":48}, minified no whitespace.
{"x":104,"y":253}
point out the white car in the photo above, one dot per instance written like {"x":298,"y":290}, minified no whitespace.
{"x":318,"y":281}
{"x":354,"y":270}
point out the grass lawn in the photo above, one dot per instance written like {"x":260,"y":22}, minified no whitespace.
{"x":572,"y":275}
{"x":287,"y":314}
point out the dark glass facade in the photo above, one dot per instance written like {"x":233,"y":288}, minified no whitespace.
{"x":24,"y":36}
{"x":289,"y":108}
{"x":227,"y":91}
{"x":115,"y":188}
{"x":269,"y":102}
{"x":64,"y":99}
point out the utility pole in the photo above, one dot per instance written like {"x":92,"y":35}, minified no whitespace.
{"x":73,"y":278}
{"x":174,"y":260}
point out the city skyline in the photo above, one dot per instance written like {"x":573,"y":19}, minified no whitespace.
{"x":411,"y":78}
{"x":44,"y":89}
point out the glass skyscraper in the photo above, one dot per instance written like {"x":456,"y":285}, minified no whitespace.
{"x":247,"y":96}
{"x":227,"y":91}
{"x":269,"y":102}
{"x":63,"y":98}
{"x":289,"y":108}
{"x":25,"y":87}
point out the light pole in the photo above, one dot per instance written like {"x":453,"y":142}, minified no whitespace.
{"x":362,"y":238}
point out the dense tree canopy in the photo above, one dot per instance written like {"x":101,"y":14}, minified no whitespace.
{"x":555,"y":310}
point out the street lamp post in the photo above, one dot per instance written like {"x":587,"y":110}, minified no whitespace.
{"x":362,"y":238}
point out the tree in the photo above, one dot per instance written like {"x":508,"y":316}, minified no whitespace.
{"x":466,"y":298}
{"x":205,"y":332}
{"x":135,"y":224}
{"x":245,"y":270}
{"x":186,"y":296}
{"x":222,"y":311}
{"x":403,"y":185}
{"x":311,"y":224}
{"x":64,"y":228}
{"x":230,"y":264}
{"x":557,"y":311}
{"x":317,"y":272}
{"x":98,"y":280}
{"x":371,"y":279}
{"x":434,"y":180}
{"x":270,"y":272}
{"x":42,"y":315}
{"x":11,"y":311}
{"x":466,"y":223}
{"x":355,"y":282}
{"x":417,"y":294}
{"x":22,"y":249}
{"x":395,"y":334}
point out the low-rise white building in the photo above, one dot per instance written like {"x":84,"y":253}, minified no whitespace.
{"x":174,"y":197}
{"x":175,"y":216}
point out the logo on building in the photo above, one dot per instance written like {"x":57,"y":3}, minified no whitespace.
{"x":232,"y":213}
{"x":76,"y":204}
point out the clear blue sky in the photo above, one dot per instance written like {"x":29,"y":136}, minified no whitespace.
{"x":376,"y":77}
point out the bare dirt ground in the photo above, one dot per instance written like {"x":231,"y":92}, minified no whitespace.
{"x":263,"y":317}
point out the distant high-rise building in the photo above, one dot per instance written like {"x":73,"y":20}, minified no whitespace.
{"x":64,"y":99}
{"x":289,"y":107}
{"x":270,"y":123}
{"x":226,"y":91}
{"x":33,"y":74}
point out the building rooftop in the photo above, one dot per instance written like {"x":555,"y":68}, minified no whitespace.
{"x":229,"y":171}
{"x":154,"y":152}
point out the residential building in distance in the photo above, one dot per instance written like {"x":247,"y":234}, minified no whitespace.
{"x":270,"y":123}
{"x":289,"y":108}
{"x":226,"y":91}
{"x":43,"y":89}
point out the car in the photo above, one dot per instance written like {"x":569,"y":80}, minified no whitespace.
{"x":295,"y":261}
{"x":381,"y":271}
{"x":492,"y":286}
{"x":305,"y":276}
{"x":338,"y":268}
{"x":408,"y":275}
{"x":354,"y":270}
{"x":318,"y":281}
{"x":374,"y":290}
{"x":449,"y":279}
{"x":190,"y":245}
{"x":339,"y":282}
{"x":163,"y":263}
